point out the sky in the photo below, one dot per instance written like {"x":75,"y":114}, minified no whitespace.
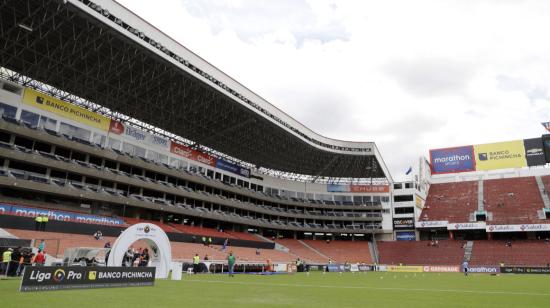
{"x":408,"y":75}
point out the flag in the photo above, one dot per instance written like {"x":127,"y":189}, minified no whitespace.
{"x":546,"y":125}
{"x":409,"y":171}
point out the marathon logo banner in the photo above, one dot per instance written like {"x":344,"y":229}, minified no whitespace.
{"x":50,"y":278}
{"x":452,"y":160}
{"x":484,"y":269}
{"x":524,"y":270}
{"x":7,"y":209}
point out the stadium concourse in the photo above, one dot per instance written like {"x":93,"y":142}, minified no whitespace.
{"x":120,"y":125}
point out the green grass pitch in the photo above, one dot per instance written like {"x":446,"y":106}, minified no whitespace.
{"x":301,"y":290}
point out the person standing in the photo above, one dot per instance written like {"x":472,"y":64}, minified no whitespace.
{"x":45,"y":220}
{"x":42,"y":245}
{"x":465,"y":267}
{"x":231,"y":264}
{"x":196,"y":261}
{"x":6,"y":258}
{"x":37,"y":222}
{"x":40,"y":258}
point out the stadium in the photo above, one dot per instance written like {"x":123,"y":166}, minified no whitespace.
{"x":116,"y":139}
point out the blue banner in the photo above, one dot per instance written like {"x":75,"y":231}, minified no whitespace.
{"x":16,"y":210}
{"x":233,"y":168}
{"x":451,"y":160}
{"x":336,"y":268}
{"x":405,"y":236}
{"x":338,"y":188}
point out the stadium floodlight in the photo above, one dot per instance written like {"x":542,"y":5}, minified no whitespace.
{"x":25,"y":27}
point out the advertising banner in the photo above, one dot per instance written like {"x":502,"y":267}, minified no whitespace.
{"x":467,"y":226}
{"x":451,"y":160}
{"x":484,"y":269}
{"x":432,"y":224}
{"x":534,"y":152}
{"x":441,"y":269}
{"x":405,"y":269}
{"x":336,"y":267}
{"x":233,"y":168}
{"x":58,"y":215}
{"x":187,"y":152}
{"x":405,"y":236}
{"x":358,"y":188}
{"x":138,"y":136}
{"x":524,"y":270}
{"x":65,"y":109}
{"x":403,"y":223}
{"x":49,"y":278}
{"x":354,"y":267}
{"x":364,"y":268}
{"x":501,"y":155}
{"x":177,"y":269}
{"x":518,"y":228}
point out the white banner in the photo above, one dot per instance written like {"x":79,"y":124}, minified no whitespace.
{"x":177,"y":267}
{"x":137,"y":135}
{"x":518,"y":228}
{"x":467,"y":226}
{"x":432,"y":224}
{"x":354,"y":268}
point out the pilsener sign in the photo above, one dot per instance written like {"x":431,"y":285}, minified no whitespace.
{"x":77,"y":277}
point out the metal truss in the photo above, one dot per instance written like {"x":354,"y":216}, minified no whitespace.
{"x":65,"y":52}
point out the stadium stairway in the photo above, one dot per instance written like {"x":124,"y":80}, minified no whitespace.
{"x":468,"y":250}
{"x":543,"y":190}
{"x":302,"y":251}
{"x":480,"y":203}
{"x":343,"y":251}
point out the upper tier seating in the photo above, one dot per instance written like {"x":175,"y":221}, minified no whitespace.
{"x":421,"y":253}
{"x":512,"y":200}
{"x":343,"y":251}
{"x":520,"y":253}
{"x":303,"y":252}
{"x":451,"y":201}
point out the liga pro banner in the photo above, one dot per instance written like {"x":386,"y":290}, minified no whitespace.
{"x":49,"y":278}
{"x":500,"y":155}
{"x":65,"y":109}
{"x":524,"y":270}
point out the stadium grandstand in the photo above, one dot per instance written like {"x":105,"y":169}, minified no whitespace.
{"x":107,"y":122}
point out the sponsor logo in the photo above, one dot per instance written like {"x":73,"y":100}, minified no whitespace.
{"x":484,"y":269}
{"x":146,"y":229}
{"x":442,"y":269}
{"x":135,"y":133}
{"x":483,"y":156}
{"x":59,"y":275}
{"x":116,"y":127}
{"x":449,"y":160}
{"x":432,"y":224}
{"x":39,"y":100}
{"x":534,"y":152}
{"x":92,"y":275}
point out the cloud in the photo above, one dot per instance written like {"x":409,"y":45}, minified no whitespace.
{"x":408,"y":75}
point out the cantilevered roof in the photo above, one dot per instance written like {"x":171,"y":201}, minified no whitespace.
{"x":103,"y":53}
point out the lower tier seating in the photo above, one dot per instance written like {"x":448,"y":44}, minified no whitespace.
{"x":517,"y":253}
{"x":421,"y":253}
